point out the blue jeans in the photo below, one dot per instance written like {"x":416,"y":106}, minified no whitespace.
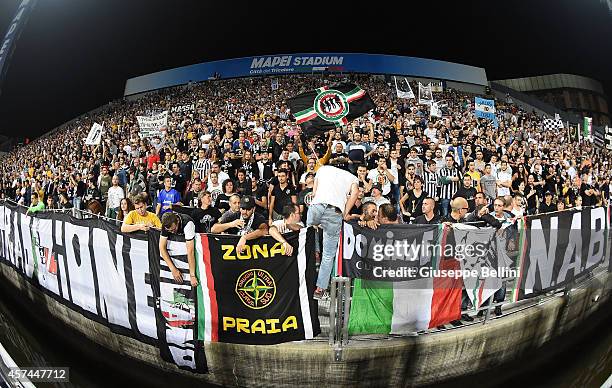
{"x":330,"y":220}
{"x":444,"y":205}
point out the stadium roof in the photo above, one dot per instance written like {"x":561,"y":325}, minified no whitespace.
{"x":284,"y":64}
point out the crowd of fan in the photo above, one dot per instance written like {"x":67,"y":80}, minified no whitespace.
{"x":238,"y":148}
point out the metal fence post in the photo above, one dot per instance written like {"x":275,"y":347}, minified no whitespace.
{"x":332,"y":310}
{"x":346,"y":304}
{"x":339,"y":309}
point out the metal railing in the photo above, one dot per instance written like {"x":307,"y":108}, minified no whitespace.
{"x":341,"y":296}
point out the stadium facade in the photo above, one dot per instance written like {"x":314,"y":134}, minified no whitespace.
{"x":571,"y":93}
{"x":458,"y":76}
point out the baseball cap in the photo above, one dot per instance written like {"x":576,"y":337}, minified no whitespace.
{"x":549,"y":193}
{"x":377,"y":186}
{"x":247,"y":202}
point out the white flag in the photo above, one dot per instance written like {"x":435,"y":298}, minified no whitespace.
{"x":435,"y":110}
{"x":95,"y":135}
{"x":404,"y":94}
{"x":425,"y":95}
{"x":558,"y":121}
{"x":150,"y":125}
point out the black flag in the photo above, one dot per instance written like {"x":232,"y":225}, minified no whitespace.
{"x":329,"y":107}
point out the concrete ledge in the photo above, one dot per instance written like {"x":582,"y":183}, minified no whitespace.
{"x":407,"y":361}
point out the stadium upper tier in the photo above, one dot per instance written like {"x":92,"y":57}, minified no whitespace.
{"x":200,"y":115}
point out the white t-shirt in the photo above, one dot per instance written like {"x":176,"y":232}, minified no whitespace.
{"x":504,"y":176}
{"x":333,"y":186}
{"x":430,"y":133}
{"x":375,"y":173}
{"x":115,"y":195}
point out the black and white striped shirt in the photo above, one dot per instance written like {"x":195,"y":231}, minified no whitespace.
{"x":448,"y":191}
{"x":202,"y":166}
{"x":431,"y":183}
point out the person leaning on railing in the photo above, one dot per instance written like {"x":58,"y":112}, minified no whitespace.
{"x":174,"y":224}
{"x":290,"y":222}
{"x":140,"y":218}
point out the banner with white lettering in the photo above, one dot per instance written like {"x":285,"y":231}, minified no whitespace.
{"x":555,"y":249}
{"x":108,"y":276}
{"x":183,"y":108}
{"x":95,"y":135}
{"x":260,"y":296}
{"x":150,"y":125}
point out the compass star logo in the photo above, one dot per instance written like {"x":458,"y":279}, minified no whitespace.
{"x":256,"y":288}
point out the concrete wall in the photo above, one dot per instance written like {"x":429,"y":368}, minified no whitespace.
{"x":409,"y":361}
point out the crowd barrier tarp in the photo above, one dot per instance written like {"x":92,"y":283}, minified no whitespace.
{"x":557,"y":248}
{"x":410,"y":277}
{"x":120,"y":280}
{"x":107,"y":276}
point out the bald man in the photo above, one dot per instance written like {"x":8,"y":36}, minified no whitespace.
{"x":459,"y":208}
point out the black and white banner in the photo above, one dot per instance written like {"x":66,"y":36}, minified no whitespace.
{"x":425,"y":94}
{"x":107,"y":276}
{"x":150,"y":125}
{"x":183,"y":108}
{"x":555,"y":249}
{"x":95,"y":135}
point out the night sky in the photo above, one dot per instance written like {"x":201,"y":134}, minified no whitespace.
{"x":75,"y":55}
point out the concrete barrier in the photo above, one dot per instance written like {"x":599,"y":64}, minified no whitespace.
{"x":406,"y":361}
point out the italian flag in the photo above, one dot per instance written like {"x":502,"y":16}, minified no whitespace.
{"x":406,"y":306}
{"x":520,"y":265}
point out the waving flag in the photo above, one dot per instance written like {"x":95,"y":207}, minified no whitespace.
{"x":485,"y":109}
{"x":435,"y":110}
{"x":425,"y":94}
{"x":329,"y":107}
{"x":550,"y":124}
{"x":401,"y":93}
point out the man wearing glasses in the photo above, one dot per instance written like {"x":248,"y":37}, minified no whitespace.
{"x":459,"y":208}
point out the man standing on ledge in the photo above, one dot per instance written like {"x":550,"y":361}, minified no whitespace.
{"x":334,"y":194}
{"x":178,"y":224}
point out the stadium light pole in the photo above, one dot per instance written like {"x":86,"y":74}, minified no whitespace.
{"x":14,"y":31}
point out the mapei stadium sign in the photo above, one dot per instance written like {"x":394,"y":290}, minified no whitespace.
{"x":282,"y":63}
